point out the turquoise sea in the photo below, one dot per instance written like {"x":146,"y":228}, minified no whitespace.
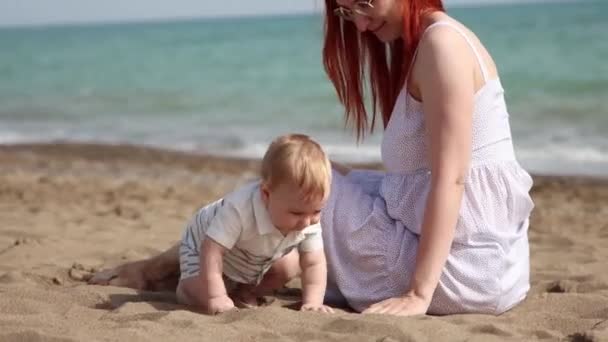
{"x":228,"y":86}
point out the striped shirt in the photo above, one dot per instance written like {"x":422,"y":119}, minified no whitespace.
{"x":240,"y":223}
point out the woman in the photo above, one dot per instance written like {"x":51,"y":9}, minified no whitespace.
{"x":444,"y":230}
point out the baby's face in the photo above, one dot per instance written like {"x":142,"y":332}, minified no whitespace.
{"x":289,"y":210}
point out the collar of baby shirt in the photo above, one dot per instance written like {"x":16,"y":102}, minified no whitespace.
{"x":261,"y":219}
{"x":314,"y":228}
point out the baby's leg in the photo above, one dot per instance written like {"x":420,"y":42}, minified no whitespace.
{"x":188,"y":292}
{"x":189,"y":286}
{"x":191,"y":289}
{"x":280,"y":273}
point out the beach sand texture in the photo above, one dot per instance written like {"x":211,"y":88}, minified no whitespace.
{"x":68,"y":209}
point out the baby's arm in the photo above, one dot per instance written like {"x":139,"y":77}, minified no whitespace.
{"x":214,"y":290}
{"x":314,"y":280}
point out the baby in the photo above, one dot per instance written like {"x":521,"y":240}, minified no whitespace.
{"x":245,"y":244}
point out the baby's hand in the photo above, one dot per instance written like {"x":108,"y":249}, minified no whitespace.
{"x":218,"y":305}
{"x":316,"y":308}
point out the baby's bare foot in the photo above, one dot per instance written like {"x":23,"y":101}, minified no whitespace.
{"x":128,"y":275}
{"x":244,"y":297}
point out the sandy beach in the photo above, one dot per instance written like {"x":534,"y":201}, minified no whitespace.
{"x":69,"y":209}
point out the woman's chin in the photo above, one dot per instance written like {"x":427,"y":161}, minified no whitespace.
{"x":387,"y":38}
{"x":385,"y":35}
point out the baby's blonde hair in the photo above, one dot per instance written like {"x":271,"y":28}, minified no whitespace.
{"x":299,"y":159}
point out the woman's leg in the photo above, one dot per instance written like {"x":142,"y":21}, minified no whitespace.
{"x":160,"y":272}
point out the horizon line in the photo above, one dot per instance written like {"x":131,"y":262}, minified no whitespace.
{"x":177,"y":19}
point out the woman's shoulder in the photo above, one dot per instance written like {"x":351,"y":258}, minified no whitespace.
{"x":442,"y":34}
{"x":442,"y":50}
{"x":442,"y":24}
{"x":446,"y":42}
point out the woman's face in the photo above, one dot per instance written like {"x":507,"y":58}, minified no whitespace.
{"x":383,"y":18}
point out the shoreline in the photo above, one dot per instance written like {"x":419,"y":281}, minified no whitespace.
{"x":134,"y":152}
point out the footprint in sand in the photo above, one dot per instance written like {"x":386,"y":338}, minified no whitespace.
{"x":14,"y":277}
{"x":25,"y":241}
{"x":560,"y":286}
{"x":31,"y":335}
{"x":599,"y":332}
{"x":583,"y":284}
{"x":21,"y":241}
{"x":491,"y":329}
{"x":19,"y":278}
{"x":547,"y":335}
{"x":581,"y":337}
{"x":362,"y":327}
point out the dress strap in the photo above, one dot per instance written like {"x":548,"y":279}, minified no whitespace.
{"x":482,"y":65}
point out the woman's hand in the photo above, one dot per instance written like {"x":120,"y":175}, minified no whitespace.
{"x":407,"y":305}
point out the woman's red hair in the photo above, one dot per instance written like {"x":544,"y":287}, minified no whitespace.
{"x":351,"y":58}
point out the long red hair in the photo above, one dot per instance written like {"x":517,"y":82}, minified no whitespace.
{"x":352,"y":59}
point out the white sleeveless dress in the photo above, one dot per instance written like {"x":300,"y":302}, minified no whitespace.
{"x":372,"y":222}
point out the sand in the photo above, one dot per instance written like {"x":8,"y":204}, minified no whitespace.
{"x":67,"y":210}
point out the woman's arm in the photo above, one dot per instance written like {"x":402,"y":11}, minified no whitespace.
{"x":445,"y":74}
{"x":448,"y":98}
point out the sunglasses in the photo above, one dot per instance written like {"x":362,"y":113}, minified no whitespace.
{"x":361,"y":7}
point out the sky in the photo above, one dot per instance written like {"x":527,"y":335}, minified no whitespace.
{"x":42,"y":12}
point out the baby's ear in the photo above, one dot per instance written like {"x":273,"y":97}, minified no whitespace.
{"x":264,"y":191}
